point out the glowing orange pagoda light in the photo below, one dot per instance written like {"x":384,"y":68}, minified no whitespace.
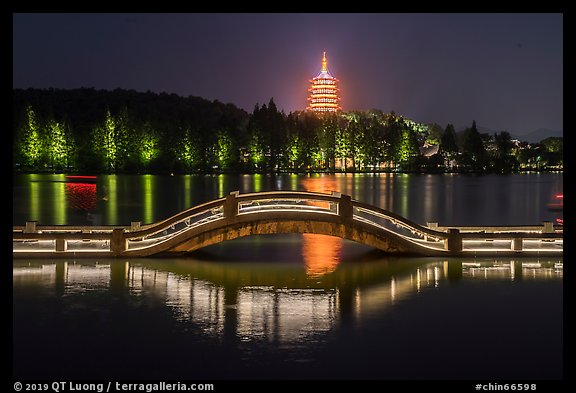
{"x":324,"y":91}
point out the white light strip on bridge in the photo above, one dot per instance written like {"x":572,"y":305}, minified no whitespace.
{"x":148,"y":242}
{"x":417,"y":242}
{"x":529,"y":250}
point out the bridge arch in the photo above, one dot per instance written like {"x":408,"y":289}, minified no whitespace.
{"x":238,"y":216}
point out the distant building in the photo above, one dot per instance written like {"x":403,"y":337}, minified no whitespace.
{"x":324,"y":91}
{"x":428,"y":150}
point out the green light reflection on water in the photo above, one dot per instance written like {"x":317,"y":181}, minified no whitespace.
{"x":403,"y":208}
{"x":294,"y":182}
{"x":34,"y":198}
{"x":112,"y":203}
{"x":148,"y":187}
{"x":257,"y":182}
{"x":220,"y":186}
{"x":186,"y":179}
{"x":60,"y":202}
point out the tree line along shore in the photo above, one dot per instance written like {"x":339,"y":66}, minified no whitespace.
{"x":124,"y":131}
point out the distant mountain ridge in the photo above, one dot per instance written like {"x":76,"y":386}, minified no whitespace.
{"x":539,"y":134}
{"x":531,"y":137}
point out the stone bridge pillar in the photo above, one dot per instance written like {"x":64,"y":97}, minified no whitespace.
{"x":231,"y":206}
{"x":118,"y":241}
{"x":453,"y":242}
{"x":345,"y":209}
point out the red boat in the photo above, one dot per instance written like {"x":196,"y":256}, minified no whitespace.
{"x":80,"y":179}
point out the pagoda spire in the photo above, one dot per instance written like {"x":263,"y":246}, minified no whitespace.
{"x":324,"y":63}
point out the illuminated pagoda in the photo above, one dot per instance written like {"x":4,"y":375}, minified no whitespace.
{"x":324,"y":91}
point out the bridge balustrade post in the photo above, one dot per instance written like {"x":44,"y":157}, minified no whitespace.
{"x":118,"y":241}
{"x":453,"y":242}
{"x":30,"y":227}
{"x":517,"y":244}
{"x":85,"y":233}
{"x":345,"y":209}
{"x":135,"y":226}
{"x":61,"y":245}
{"x":431,"y":225}
{"x":548,"y":227}
{"x":231,"y":205}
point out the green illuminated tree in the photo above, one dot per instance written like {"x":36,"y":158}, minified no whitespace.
{"x":310,"y":125}
{"x":57,"y":145}
{"x":373,"y":146}
{"x":435,"y":134}
{"x":103,"y":143}
{"x":553,"y":150}
{"x":125,"y":140}
{"x":187,"y":151}
{"x":256,"y":149}
{"x":327,"y":139}
{"x":403,"y":146}
{"x":349,"y":139}
{"x":294,"y":152}
{"x":393,"y":136}
{"x":267,"y":137}
{"x":258,"y":145}
{"x":224,"y":150}
{"x":408,"y":151}
{"x":341,"y":146}
{"x":71,"y":147}
{"x":28,"y":141}
{"x":148,"y":149}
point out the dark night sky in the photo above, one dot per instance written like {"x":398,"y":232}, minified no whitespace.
{"x":503,"y":70}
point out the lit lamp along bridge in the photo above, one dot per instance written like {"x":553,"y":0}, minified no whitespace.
{"x":237,"y":216}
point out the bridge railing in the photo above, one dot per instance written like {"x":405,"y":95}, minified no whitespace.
{"x":227,"y":208}
{"x":287,"y":201}
{"x":117,"y":239}
{"x":166,"y":229}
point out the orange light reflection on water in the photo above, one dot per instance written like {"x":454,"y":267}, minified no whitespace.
{"x":321,"y":253}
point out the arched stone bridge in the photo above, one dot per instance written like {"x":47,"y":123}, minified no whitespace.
{"x":237,"y":216}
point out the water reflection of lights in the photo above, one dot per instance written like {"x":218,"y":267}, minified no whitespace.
{"x":321,"y":253}
{"x":513,"y":270}
{"x":288,"y":309}
{"x":379,"y":298}
{"x":192,"y":300}
{"x":284,"y":315}
{"x":81,"y":196}
{"x":43,"y":275}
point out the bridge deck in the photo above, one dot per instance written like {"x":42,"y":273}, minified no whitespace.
{"x":284,"y":212}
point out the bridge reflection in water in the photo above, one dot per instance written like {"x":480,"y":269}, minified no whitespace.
{"x":275,"y":302}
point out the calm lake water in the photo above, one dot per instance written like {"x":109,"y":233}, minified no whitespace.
{"x":289,"y":306}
